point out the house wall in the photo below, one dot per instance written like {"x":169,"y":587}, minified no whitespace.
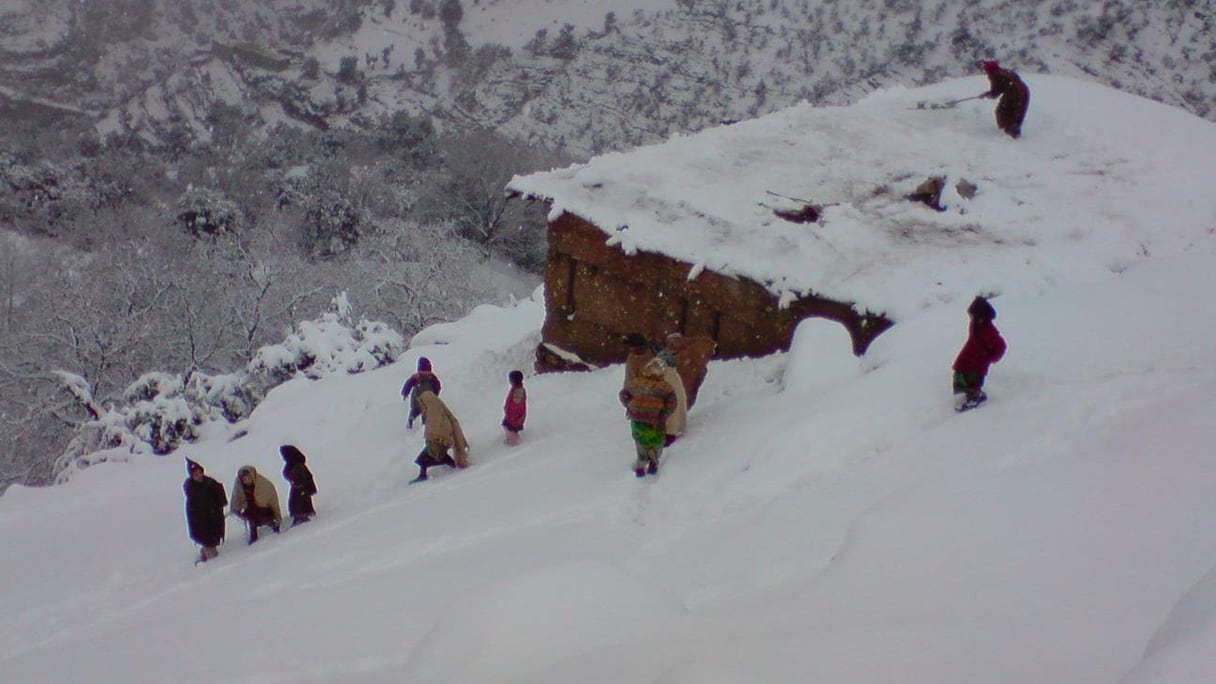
{"x":596,"y":294}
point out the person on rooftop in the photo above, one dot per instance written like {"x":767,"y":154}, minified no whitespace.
{"x":1015,"y":97}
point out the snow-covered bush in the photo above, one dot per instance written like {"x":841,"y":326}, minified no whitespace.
{"x":229,"y":396}
{"x":149,"y":386}
{"x":348,"y":69}
{"x":565,"y":46}
{"x":159,"y":411}
{"x":103,"y":437}
{"x":164,"y":423}
{"x":327,"y":345}
{"x":202,"y":211}
{"x":101,"y":440}
{"x":333,"y":212}
{"x":331,"y":225}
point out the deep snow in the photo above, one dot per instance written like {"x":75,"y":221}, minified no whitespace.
{"x":825,"y":519}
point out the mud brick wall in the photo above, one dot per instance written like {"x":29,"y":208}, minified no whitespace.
{"x":595,"y":294}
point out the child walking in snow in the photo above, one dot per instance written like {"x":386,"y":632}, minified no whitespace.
{"x":515,"y":408}
{"x":424,"y":380}
{"x":984,"y":347}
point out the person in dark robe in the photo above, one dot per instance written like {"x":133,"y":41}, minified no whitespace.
{"x":302,"y":485}
{"x":1014,"y":97}
{"x":205,"y":501}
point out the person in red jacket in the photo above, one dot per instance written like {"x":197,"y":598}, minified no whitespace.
{"x":1015,"y":97}
{"x":515,"y":408}
{"x":984,"y":347}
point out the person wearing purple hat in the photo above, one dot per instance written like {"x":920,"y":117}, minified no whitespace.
{"x":424,"y":380}
{"x":1015,"y":97}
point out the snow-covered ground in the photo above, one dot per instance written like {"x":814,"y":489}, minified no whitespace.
{"x":825,"y":519}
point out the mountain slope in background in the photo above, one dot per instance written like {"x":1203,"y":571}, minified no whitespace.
{"x":823,"y":518}
{"x":581,"y":76}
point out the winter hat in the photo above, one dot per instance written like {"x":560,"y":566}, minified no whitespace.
{"x":516,"y":377}
{"x":424,"y":364}
{"x":667,"y":358}
{"x":291,"y":453}
{"x":980,"y":308}
{"x":991,"y":66}
{"x":192,"y":466}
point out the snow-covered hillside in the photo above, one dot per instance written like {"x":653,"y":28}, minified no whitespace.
{"x":578,"y":75}
{"x":824,"y":519}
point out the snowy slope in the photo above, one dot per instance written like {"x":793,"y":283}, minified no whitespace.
{"x":824,"y":519}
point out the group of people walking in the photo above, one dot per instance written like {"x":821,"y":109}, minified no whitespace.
{"x":254,"y":500}
{"x":444,"y":440}
{"x":659,"y":388}
{"x":661,"y":385}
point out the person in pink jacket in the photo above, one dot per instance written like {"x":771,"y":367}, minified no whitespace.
{"x":984,"y":347}
{"x":515,"y":408}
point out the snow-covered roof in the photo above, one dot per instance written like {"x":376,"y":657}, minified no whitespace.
{"x":1081,"y":196}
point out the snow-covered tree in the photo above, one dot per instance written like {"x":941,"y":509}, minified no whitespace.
{"x":331,"y":343}
{"x":470,"y":193}
{"x":204,"y":211}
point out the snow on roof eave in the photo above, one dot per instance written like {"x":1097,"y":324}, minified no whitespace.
{"x":527,"y":195}
{"x":784,"y":297}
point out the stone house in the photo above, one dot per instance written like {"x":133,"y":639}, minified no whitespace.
{"x":688,"y":236}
